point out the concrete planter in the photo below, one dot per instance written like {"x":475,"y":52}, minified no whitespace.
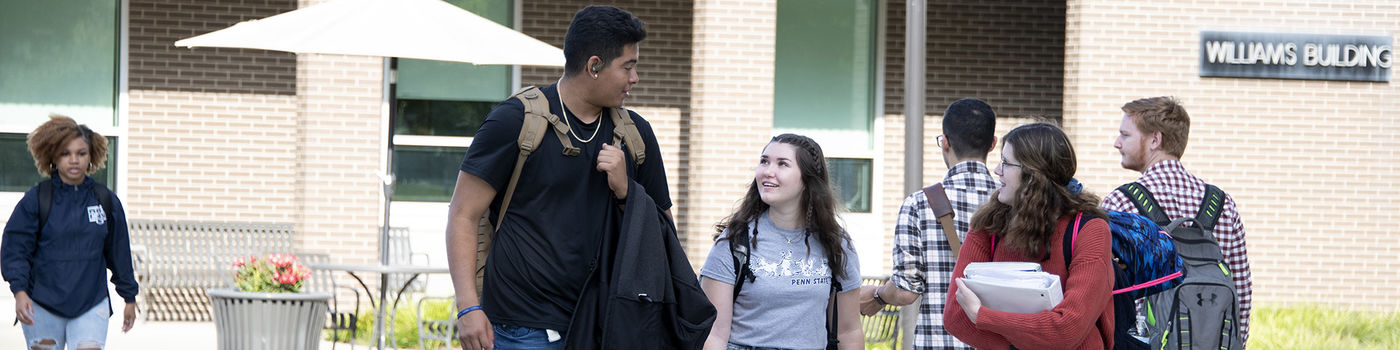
{"x":268,"y":321}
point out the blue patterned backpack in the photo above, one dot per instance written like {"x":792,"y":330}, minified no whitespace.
{"x":1144,"y":255}
{"x":1145,"y":262}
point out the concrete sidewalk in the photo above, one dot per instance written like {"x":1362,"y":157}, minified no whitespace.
{"x":144,"y":335}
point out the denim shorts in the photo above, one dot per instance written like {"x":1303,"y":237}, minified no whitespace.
{"x":523,"y":338}
{"x":88,"y":330}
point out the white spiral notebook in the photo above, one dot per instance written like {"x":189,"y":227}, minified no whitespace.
{"x":1018,"y":287}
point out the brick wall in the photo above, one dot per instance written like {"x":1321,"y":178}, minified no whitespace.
{"x":731,"y":110}
{"x":252,"y":135}
{"x":211,"y":157}
{"x":156,"y":64}
{"x":1307,"y":161}
{"x":211,"y":131}
{"x":665,"y":64}
{"x":1008,"y":53}
{"x":339,"y":154}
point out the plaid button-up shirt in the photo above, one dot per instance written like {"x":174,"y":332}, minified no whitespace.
{"x":1180,"y":193}
{"x":923,"y":262}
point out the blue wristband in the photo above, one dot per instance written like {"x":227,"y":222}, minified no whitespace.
{"x":468,"y":309}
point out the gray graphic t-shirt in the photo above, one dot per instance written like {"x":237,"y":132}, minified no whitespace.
{"x":785,"y":305}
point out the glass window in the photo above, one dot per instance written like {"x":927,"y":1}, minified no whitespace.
{"x":18,"y":173}
{"x":824,"y":86}
{"x":825,"y":68}
{"x":447,"y":100}
{"x":441,"y":118}
{"x":851,"y":177}
{"x":455,"y":81}
{"x":426,"y":174}
{"x":59,"y":57}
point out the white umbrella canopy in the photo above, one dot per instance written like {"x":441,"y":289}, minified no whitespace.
{"x":422,"y":29}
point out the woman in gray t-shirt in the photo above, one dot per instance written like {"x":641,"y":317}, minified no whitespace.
{"x":789,"y":219}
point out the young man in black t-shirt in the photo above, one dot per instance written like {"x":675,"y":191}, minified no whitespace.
{"x":544,"y":247}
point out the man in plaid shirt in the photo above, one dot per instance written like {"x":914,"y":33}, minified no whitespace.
{"x":923,"y":262}
{"x":1152,"y":138}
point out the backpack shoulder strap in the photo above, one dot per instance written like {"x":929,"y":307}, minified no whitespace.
{"x":532,"y":132}
{"x":625,"y":133}
{"x":1211,"y":205}
{"x":1142,"y":199}
{"x":1072,"y":236}
{"x":831,"y":340}
{"x":739,"y":246}
{"x":943,"y":210}
{"x":537,"y":107}
{"x":45,"y":205}
{"x":537,"y":120}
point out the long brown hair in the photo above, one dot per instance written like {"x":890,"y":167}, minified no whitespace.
{"x":1047,"y":165}
{"x":818,"y":200}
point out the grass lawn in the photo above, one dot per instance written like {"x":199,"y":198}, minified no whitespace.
{"x":1317,"y":327}
{"x":1313,"y":327}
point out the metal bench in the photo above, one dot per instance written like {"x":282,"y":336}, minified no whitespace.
{"x":177,"y":261}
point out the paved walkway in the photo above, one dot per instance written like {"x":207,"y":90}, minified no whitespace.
{"x":144,"y":335}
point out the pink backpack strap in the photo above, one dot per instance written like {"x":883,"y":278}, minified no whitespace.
{"x":994,"y":249}
{"x":1075,"y":239}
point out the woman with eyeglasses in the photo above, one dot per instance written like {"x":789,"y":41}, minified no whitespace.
{"x":1038,"y":204}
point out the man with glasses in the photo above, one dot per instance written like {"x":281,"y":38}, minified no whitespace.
{"x":1152,"y":138}
{"x":923,"y":259}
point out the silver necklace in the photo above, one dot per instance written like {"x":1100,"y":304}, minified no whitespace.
{"x":560,"y":87}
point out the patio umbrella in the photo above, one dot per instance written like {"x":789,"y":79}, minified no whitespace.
{"x":422,"y":29}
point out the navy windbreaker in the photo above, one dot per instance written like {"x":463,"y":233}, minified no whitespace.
{"x":65,"y":270}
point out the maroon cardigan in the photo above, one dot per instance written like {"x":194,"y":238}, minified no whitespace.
{"x":1084,"y":320}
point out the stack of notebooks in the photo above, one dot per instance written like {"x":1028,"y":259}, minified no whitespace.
{"x":1019,"y":287}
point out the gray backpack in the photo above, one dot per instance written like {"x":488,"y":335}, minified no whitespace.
{"x":1201,"y":312}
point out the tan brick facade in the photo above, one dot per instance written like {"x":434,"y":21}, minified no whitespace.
{"x":234,"y":135}
{"x":256,"y":136}
{"x":1309,"y":162}
{"x":211,"y":157}
{"x":731,"y":111}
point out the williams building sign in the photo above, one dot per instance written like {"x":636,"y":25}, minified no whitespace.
{"x":1296,"y":56}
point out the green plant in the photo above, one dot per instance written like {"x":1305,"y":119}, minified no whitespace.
{"x":404,"y":326}
{"x":275,"y":273}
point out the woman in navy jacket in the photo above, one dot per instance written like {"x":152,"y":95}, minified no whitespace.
{"x":56,"y":267}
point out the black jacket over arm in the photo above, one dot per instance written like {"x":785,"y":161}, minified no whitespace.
{"x":643,"y":293}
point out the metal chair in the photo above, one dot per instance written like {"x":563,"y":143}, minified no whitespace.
{"x":401,"y":253}
{"x":434,"y":330}
{"x":337,"y":320}
{"x":883,"y":326}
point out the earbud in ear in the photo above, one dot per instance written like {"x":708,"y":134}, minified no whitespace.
{"x":598,"y":68}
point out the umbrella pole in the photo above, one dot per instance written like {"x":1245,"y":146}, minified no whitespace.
{"x":391,"y":65}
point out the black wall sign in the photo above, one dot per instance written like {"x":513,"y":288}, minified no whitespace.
{"x":1296,"y":56}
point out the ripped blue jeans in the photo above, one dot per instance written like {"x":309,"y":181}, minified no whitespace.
{"x":53,"y":332}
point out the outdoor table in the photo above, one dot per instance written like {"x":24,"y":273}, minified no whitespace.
{"x":384,"y":271}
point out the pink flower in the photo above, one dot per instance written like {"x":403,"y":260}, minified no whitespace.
{"x":277,"y":273}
